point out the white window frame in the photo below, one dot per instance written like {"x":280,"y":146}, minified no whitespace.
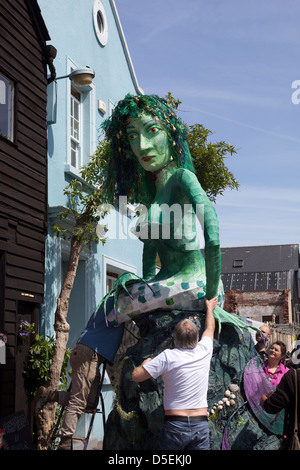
{"x":111,"y":107}
{"x":88,"y":139}
{"x":115,"y":266}
{"x":76,"y":141}
{"x":7,"y":98}
{"x":101,"y":33}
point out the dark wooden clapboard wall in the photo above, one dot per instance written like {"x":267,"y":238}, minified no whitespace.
{"x":23,"y":189}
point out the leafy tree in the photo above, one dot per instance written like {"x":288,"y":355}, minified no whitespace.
{"x":209,"y":163}
{"x":84,"y":210}
{"x":209,"y":158}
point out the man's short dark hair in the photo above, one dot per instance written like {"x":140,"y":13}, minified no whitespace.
{"x":186,"y":335}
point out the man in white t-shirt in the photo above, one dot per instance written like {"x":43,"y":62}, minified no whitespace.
{"x":185,"y":372}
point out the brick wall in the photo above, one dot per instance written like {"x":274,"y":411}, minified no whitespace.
{"x":259,"y":304}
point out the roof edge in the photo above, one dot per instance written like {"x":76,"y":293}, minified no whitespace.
{"x":125,"y":47}
{"x":41,"y":28}
{"x":258,"y":246}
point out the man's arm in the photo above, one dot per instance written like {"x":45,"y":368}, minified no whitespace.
{"x":207,"y":217}
{"x":140,"y":374}
{"x":209,"y":328}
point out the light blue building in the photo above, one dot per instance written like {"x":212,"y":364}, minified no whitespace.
{"x":86,"y":33}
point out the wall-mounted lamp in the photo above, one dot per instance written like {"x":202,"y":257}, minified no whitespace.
{"x":80,"y":77}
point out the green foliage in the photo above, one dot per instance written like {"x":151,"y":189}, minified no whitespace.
{"x":37,"y":368}
{"x":172,"y":101}
{"x":208,"y":158}
{"x":85,"y":208}
{"x":209,"y":162}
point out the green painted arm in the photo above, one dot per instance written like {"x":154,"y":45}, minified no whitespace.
{"x":209,"y":222}
{"x":213,"y":270}
{"x":149,"y":261}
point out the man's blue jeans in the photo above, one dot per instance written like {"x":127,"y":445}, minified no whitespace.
{"x":179,"y":435}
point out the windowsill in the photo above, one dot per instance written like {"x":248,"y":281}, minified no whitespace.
{"x":8,"y":141}
{"x":73,"y":172}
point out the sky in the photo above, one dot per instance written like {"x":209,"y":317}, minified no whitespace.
{"x":235,"y":66}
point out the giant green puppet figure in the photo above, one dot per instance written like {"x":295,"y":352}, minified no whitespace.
{"x":150,"y":163}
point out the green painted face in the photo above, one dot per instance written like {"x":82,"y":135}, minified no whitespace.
{"x":149,"y":142}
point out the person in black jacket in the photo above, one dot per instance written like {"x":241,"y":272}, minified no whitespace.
{"x":284,"y":398}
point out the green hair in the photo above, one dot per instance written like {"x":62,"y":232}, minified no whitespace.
{"x":123,"y":175}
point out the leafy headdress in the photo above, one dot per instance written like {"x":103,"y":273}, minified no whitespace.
{"x":123,"y":175}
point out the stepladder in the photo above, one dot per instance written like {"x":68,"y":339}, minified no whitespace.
{"x":98,"y":408}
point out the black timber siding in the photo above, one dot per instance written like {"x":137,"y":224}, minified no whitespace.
{"x":23,"y":190}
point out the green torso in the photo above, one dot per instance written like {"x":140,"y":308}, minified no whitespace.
{"x":169,"y":229}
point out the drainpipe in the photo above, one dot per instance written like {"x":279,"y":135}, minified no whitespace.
{"x":50,"y":54}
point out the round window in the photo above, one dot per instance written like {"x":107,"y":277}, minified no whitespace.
{"x":100,"y":22}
